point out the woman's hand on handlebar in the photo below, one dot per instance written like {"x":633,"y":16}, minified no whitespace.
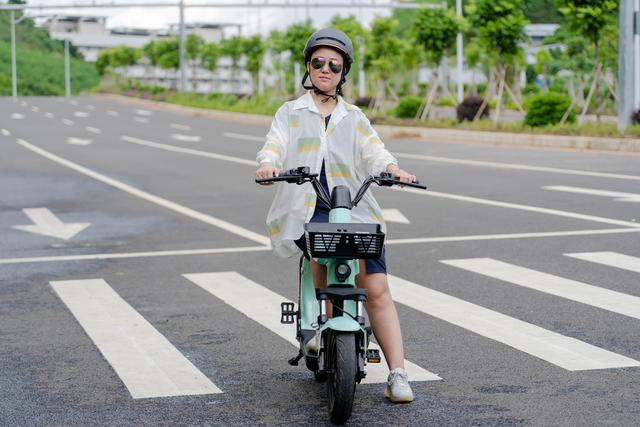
{"x":402,"y":175}
{"x":267,"y":170}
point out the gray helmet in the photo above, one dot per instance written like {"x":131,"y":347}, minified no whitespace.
{"x":334,"y":38}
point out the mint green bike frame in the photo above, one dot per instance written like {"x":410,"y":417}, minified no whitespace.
{"x":310,"y":307}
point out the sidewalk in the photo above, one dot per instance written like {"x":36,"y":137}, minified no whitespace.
{"x":626,"y":145}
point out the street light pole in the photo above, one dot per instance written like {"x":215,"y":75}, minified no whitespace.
{"x":14,"y":74}
{"x":459,"y":55}
{"x":183,"y":65}
{"x":67,"y":70}
{"x":636,"y":49}
{"x":626,"y":64}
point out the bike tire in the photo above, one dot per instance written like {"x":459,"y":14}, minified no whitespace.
{"x":341,"y":384}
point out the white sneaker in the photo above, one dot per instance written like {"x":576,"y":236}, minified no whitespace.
{"x":398,"y":389}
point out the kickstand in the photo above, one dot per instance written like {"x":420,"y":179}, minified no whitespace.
{"x":295,"y":360}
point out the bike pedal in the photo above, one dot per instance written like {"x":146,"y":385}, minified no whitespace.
{"x":373,"y":356}
{"x":287,"y":312}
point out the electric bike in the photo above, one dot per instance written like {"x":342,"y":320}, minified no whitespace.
{"x":340,"y":343}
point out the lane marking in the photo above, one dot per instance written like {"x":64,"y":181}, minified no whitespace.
{"x":189,"y":151}
{"x":179,"y":127}
{"x":510,"y":236}
{"x":245,"y":137}
{"x":518,"y":206}
{"x":262,"y":305}
{"x":49,"y":115}
{"x":92,"y":257}
{"x":141,"y":112}
{"x":618,"y":196}
{"x":186,"y":138}
{"x":35,"y":109}
{"x":5,"y":132}
{"x":565,"y":352}
{"x":95,"y":257}
{"x":67,"y":122}
{"x":468,"y":199}
{"x":91,"y":107}
{"x":515,"y":166}
{"x":141,"y":119}
{"x":78,"y":141}
{"x":207,"y":219}
{"x":394,"y":215}
{"x":616,"y":302}
{"x":146,"y":362}
{"x":81,"y":114}
{"x":17,"y":116}
{"x":611,"y":259}
{"x":92,"y":129}
{"x":113,"y":113}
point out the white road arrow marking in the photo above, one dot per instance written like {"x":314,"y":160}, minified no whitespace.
{"x":179,"y":127}
{"x":67,"y":122}
{"x":78,"y":141}
{"x":81,"y":114}
{"x":144,"y":112}
{"x":46,"y":223}
{"x":5,"y":132}
{"x":17,"y":116}
{"x":186,"y":138}
{"x":93,"y":130}
{"x":394,"y":215}
{"x":618,"y":196}
{"x":49,"y":115}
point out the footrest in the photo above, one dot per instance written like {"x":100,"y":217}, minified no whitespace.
{"x":373,"y":356}
{"x":287,"y":312}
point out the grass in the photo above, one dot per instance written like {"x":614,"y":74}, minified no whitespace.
{"x":267,"y":104}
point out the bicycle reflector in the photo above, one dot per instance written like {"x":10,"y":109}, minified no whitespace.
{"x":336,"y":240}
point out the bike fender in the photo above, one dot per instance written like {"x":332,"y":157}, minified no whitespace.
{"x":341,"y":324}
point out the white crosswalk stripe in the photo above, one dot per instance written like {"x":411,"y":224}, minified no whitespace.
{"x":568,"y":353}
{"x":617,"y":302}
{"x":612,"y":259}
{"x":263,"y":306}
{"x":146,"y":362}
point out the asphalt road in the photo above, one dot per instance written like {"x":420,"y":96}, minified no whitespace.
{"x":519,"y":332}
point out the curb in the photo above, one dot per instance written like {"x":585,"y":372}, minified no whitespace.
{"x":624,"y":145}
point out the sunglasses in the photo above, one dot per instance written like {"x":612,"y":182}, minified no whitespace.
{"x":319,"y":61}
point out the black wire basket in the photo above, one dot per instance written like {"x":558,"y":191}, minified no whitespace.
{"x":336,"y":240}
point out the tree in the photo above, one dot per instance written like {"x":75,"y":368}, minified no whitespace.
{"x":589,"y":18}
{"x":383,"y":56}
{"x":210,"y":53}
{"x":543,"y":64}
{"x":357,"y":33}
{"x":193,"y":52}
{"x":500,"y":31}
{"x":232,"y":48}
{"x":293,"y":41}
{"x":435,"y":30}
{"x":253,"y":50}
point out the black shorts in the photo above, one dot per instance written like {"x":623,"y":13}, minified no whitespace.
{"x":376,"y":265}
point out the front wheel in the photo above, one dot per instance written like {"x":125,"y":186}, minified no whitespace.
{"x":342,"y":379}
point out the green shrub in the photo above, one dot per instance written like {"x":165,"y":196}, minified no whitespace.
{"x":531,"y":89}
{"x":558,"y":85}
{"x":446,"y":102}
{"x":408,"y":107}
{"x":548,"y":108}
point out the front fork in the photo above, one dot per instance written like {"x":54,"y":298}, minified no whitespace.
{"x":313,"y":319}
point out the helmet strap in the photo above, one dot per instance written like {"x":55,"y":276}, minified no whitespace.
{"x":320,"y":92}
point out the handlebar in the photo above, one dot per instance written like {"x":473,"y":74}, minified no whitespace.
{"x":301,"y":175}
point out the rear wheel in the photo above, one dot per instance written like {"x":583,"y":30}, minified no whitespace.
{"x":341,"y":384}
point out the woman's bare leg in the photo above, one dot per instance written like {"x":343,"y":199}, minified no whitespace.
{"x":382,"y":315}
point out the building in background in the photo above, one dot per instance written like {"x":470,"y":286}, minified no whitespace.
{"x":90,"y":35}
